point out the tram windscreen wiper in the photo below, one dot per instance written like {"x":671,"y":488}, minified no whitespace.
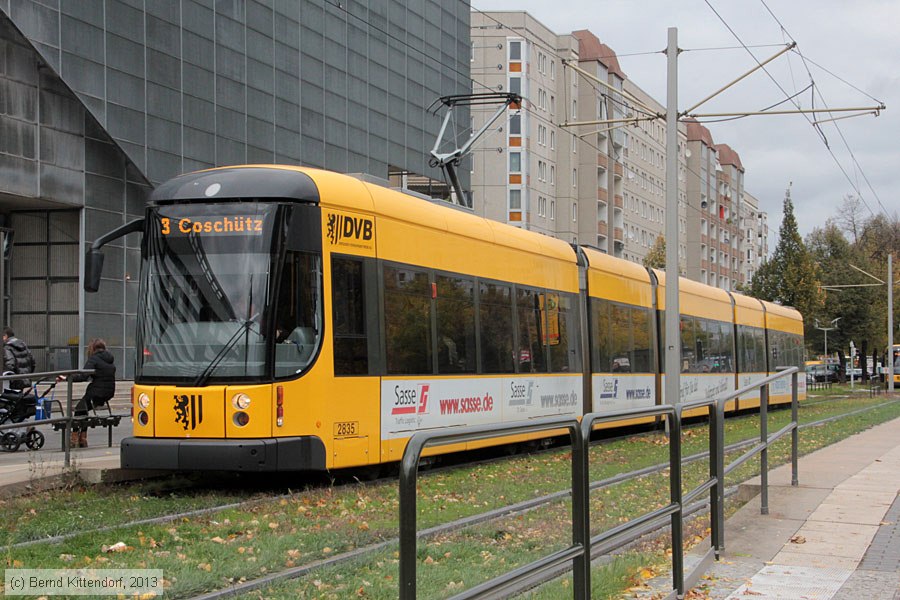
{"x":243,"y":328}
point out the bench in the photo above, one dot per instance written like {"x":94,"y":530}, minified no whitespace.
{"x":91,"y":421}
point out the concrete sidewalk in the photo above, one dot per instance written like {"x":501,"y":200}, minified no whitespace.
{"x":835,"y":537}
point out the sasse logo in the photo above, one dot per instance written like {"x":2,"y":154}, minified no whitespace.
{"x":342,"y":227}
{"x":409,"y":401}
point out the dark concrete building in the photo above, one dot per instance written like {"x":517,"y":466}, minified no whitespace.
{"x":100,"y":100}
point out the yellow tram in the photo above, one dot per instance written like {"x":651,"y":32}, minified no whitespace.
{"x":298,"y":319}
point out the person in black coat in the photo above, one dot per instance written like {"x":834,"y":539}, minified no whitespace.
{"x":100,"y":390}
{"x":17,"y":358}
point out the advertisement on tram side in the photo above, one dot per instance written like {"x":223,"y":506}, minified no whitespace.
{"x":702,"y":386}
{"x":618,"y":392}
{"x":410,"y":405}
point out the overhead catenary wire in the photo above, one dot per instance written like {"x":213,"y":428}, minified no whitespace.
{"x":550,"y":50}
{"x":811,"y":122}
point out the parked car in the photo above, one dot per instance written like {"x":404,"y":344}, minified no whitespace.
{"x":821,"y":374}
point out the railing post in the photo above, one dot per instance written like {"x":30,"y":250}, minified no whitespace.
{"x":581,"y":529}
{"x":408,"y":475}
{"x":675,"y":494}
{"x":764,"y":455}
{"x":67,"y":431}
{"x":717,"y":470}
{"x":795,"y":432}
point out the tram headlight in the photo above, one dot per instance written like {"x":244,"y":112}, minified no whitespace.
{"x":143,"y":400}
{"x":143,"y":418}
{"x":240,"y":401}
{"x":241,"y":418}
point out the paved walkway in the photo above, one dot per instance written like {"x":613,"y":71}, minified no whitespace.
{"x":835,"y":537}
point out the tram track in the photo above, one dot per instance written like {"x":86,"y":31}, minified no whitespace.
{"x":357,"y":553}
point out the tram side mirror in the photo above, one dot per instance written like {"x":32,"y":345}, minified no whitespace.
{"x":93,"y":268}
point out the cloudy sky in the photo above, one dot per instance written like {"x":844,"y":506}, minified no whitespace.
{"x":853,"y":58}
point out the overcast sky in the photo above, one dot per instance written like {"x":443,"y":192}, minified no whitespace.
{"x":854,"y":41}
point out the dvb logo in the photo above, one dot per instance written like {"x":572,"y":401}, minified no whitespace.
{"x":343,"y":227}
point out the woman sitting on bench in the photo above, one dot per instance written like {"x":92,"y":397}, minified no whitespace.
{"x":100,"y":390}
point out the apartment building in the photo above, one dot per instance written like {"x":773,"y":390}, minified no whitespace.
{"x":556,"y":164}
{"x":645,"y":180}
{"x":715,"y":188}
{"x":754,"y":239}
{"x":521,"y":168}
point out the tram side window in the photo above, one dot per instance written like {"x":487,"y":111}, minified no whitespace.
{"x":642,"y":333}
{"x":407,"y":321}
{"x":690,"y":350}
{"x":600,"y":342}
{"x":562,"y":333}
{"x":779,"y":350}
{"x":531,"y":347}
{"x":620,"y":339}
{"x":751,"y":358}
{"x":496,"y":325}
{"x":351,"y":352}
{"x":455,"y":325}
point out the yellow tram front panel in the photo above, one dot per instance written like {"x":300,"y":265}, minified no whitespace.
{"x":180,"y":412}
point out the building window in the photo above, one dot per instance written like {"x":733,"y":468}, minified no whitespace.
{"x":515,"y":125}
{"x":515,"y":199}
{"x":552,"y":205}
{"x":574,"y":177}
{"x":552,"y":175}
{"x":515,"y":85}
{"x":515,"y":51}
{"x":574,"y":212}
{"x":553,"y":140}
{"x":515,"y":162}
{"x":552,"y":70}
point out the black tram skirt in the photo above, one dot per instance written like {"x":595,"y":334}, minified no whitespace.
{"x":305,"y":453}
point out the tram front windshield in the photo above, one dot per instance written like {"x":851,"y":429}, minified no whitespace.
{"x":206,"y":286}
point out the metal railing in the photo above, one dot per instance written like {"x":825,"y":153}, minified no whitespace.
{"x":68,"y":415}
{"x":584,"y":547}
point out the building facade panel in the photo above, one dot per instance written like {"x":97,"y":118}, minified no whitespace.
{"x":101,"y":100}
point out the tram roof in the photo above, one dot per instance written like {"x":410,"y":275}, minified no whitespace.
{"x":696,"y":299}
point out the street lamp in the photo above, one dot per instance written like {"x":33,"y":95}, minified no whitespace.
{"x":826,"y":330}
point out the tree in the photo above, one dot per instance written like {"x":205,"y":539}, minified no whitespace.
{"x":856,"y":306}
{"x":850,"y":217}
{"x":656,"y":258}
{"x":791,"y":277}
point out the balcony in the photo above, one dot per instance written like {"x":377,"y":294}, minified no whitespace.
{"x":618,"y":201}
{"x":618,"y":170}
{"x":704,"y":264}
{"x":704,"y":239}
{"x":602,"y":161}
{"x":602,"y":195}
{"x":619,"y":234}
{"x":602,"y":228}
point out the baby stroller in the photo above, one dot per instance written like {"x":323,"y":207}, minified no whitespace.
{"x":15,"y":407}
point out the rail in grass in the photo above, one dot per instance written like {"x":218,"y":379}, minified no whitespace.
{"x":577,"y":556}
